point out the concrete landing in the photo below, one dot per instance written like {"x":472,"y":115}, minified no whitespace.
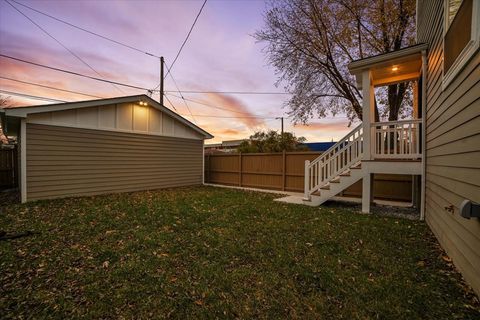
{"x":295,"y":199}
{"x":298,"y":199}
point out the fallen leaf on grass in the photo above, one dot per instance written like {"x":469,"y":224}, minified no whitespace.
{"x":105,"y":264}
{"x":447,"y":258}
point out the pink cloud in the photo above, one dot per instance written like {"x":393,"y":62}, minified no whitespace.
{"x":239,"y":109}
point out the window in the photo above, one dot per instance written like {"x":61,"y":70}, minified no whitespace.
{"x":461,"y":35}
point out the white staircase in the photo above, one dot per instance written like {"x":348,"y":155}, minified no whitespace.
{"x":335,"y":170}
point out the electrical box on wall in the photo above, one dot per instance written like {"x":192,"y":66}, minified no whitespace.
{"x":469,"y":209}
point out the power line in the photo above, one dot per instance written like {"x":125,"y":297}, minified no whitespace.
{"x":232,"y":92}
{"x":227,"y":117}
{"x":87,"y":31}
{"x":29,"y":96}
{"x":186,"y":39}
{"x":74,"y":73}
{"x":49,"y":87}
{"x":208,"y":105}
{"x":183,"y":44}
{"x":171,"y":103}
{"x":60,"y":43}
{"x":184,"y":101}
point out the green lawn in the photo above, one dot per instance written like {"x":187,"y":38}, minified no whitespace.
{"x":208,"y":252}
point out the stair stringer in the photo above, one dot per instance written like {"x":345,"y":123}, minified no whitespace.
{"x":356,"y":174}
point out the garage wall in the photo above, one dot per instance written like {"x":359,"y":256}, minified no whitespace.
{"x":453,"y":147}
{"x":66,"y":161}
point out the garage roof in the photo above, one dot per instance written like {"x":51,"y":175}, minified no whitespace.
{"x":23,"y":111}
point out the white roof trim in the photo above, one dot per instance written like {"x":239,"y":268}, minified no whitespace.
{"x":22,"y":112}
{"x":367,"y":63}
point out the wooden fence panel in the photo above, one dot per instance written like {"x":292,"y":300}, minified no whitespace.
{"x":285,"y":171}
{"x":295,"y":169}
{"x":262,"y":170}
{"x":8,"y":168}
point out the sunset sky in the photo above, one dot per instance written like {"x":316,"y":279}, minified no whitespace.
{"x":220,"y":55}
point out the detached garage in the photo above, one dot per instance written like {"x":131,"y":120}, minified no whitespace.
{"x":104,"y":146}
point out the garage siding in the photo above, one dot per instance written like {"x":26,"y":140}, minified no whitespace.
{"x":453,"y":147}
{"x":64,"y":161}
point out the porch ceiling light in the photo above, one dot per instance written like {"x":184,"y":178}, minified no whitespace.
{"x":394,"y":68}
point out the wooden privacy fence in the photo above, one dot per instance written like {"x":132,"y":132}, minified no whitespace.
{"x":8,"y":168}
{"x":285,"y":171}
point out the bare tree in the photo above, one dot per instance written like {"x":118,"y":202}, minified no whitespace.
{"x":311,"y":42}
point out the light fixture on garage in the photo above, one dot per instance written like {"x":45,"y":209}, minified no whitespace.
{"x":143,"y":103}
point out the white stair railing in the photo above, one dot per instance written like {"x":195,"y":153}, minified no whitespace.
{"x":396,"y":139}
{"x":346,"y":152}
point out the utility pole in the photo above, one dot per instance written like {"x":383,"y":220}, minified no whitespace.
{"x":281,"y":137}
{"x":161,"y":80}
{"x":280,"y":118}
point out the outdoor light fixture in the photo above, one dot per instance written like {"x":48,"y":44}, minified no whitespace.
{"x":142,"y":103}
{"x":395,"y":68}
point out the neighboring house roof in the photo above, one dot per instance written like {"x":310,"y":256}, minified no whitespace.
{"x":319,"y":146}
{"x":23,"y":111}
{"x":226,"y":144}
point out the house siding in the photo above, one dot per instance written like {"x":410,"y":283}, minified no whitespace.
{"x":66,"y":161}
{"x":452,"y":147}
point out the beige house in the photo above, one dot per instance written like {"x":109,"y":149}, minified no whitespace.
{"x":104,"y":146}
{"x":452,"y":126}
{"x":439,"y":145}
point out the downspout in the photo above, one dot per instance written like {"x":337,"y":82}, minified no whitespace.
{"x":23,"y":160}
{"x":424,"y":129}
{"x":203,"y":162}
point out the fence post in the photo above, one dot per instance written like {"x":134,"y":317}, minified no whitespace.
{"x":284,"y":170}
{"x":306,"y":181}
{"x":239,"y":169}
{"x":207,"y":169}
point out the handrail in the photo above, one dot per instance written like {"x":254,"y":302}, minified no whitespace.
{"x":332,"y":162}
{"x":386,"y":123}
{"x":389,"y":139}
{"x":324,"y":154}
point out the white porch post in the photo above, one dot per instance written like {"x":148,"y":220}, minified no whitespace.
{"x":368,"y":112}
{"x":415,"y":114}
{"x":306,"y":187}
{"x":367,"y":194}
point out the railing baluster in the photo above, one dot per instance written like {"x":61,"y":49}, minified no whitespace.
{"x":417,"y":138}
{"x":395,"y":130}
{"x":410,"y":138}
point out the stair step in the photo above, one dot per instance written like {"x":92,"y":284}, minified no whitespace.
{"x":336,"y":180}
{"x":325,"y":187}
{"x":357,"y":167}
{"x":345,"y":174}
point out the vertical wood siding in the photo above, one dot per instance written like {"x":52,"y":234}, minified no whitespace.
{"x":453,"y":147}
{"x":64,"y":161}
